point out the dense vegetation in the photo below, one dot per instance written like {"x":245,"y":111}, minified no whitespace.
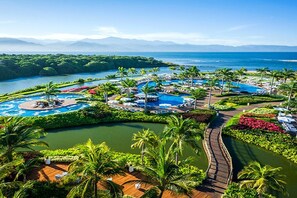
{"x":232,"y":102}
{"x":280,"y":143}
{"x":13,"y":66}
{"x":101,"y":113}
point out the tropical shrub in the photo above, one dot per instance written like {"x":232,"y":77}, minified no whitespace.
{"x":225,"y":107}
{"x":282,"y":144}
{"x":200,"y":115}
{"x":244,"y":100}
{"x":253,"y":123}
{"x":263,"y":111}
{"x":256,"y":115}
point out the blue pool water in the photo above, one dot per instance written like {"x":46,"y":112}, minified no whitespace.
{"x":11,"y":108}
{"x":177,"y":100}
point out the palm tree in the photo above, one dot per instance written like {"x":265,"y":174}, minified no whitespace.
{"x":142,"y":139}
{"x":128,"y":84}
{"x":182,"y":131}
{"x":197,"y":94}
{"x":262,"y":72}
{"x":106,"y":88}
{"x":192,"y":73}
{"x":50,"y":90}
{"x":142,"y":72}
{"x":211,"y":83}
{"x":146,"y":89}
{"x":94,"y":165}
{"x":274,"y":75}
{"x":240,"y":72}
{"x":224,"y":73}
{"x":163,"y":174}
{"x":155,"y":70}
{"x":265,"y":179}
{"x":132,"y":71}
{"x":290,"y":89}
{"x":17,"y":133}
{"x":122,"y":72}
{"x":158,"y":82}
{"x":287,"y":74}
{"x":24,"y":168}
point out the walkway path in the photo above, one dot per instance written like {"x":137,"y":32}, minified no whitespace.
{"x":219,"y":173}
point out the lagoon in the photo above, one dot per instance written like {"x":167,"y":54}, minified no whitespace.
{"x":242,"y":153}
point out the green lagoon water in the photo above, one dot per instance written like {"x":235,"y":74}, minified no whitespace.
{"x":242,"y":153}
{"x":118,"y":137}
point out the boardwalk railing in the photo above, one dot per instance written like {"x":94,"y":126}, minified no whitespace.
{"x":226,"y":155}
{"x":207,"y":151}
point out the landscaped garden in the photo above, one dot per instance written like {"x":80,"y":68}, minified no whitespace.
{"x":184,"y":101}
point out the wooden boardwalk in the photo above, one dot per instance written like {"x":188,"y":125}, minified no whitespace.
{"x":219,"y":172}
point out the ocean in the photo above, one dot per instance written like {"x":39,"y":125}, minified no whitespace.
{"x":210,"y":61}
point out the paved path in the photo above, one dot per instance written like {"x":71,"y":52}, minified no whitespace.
{"x":220,"y":169}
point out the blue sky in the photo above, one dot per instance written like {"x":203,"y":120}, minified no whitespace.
{"x":230,"y":22}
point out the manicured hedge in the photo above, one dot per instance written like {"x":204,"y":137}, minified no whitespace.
{"x":244,"y":100}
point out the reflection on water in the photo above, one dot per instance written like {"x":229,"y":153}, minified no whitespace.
{"x":242,"y":153}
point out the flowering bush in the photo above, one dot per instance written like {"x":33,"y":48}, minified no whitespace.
{"x":256,"y":115}
{"x":263,"y":111}
{"x":253,"y":123}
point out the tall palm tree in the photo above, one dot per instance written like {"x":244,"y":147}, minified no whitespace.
{"x":224,"y":73}
{"x":128,"y":84}
{"x":50,"y":90}
{"x":106,"y":88}
{"x":142,"y":72}
{"x":155,"y":70}
{"x":182,"y":131}
{"x":122,"y":72}
{"x":192,"y":73}
{"x":274,"y":75}
{"x":289,"y":89}
{"x":287,"y":74}
{"x":240,"y":72}
{"x":158,"y":82}
{"x":142,"y":139}
{"x":163,"y":174}
{"x":197,"y":94}
{"x":265,"y":179}
{"x":132,"y":71}
{"x":94,"y":165}
{"x":17,"y":133}
{"x":211,"y":83}
{"x":146,"y":89}
{"x":262,"y":71}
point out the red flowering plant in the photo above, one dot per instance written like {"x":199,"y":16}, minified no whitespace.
{"x":253,"y":123}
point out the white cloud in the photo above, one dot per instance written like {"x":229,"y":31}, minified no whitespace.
{"x":107,"y":30}
{"x":239,"y":27}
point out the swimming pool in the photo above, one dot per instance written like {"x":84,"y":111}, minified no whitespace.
{"x":175,"y":100}
{"x":11,"y":107}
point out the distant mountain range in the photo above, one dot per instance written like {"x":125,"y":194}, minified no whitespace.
{"x":114,"y":44}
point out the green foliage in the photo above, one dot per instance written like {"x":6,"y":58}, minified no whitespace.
{"x":48,"y":71}
{"x":225,"y":107}
{"x":234,"y":191}
{"x":13,"y":66}
{"x":263,"y":111}
{"x":244,"y":100}
{"x":282,"y":144}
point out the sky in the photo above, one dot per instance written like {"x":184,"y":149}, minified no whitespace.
{"x":227,"y":22}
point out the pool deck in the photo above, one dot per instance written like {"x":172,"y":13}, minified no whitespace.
{"x":30,"y":105}
{"x":48,"y":172}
